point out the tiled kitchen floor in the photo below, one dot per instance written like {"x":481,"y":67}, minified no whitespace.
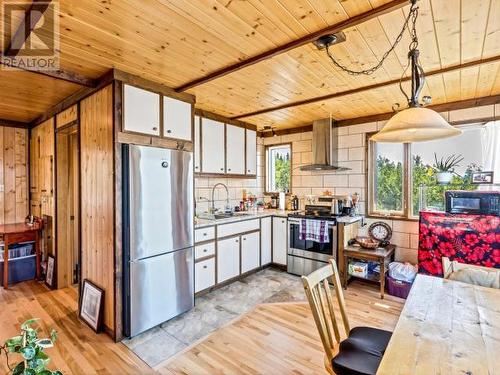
{"x":214,"y":310}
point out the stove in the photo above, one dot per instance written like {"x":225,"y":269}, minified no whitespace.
{"x":315,"y":212}
{"x":305,"y":256}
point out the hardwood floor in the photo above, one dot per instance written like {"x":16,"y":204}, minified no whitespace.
{"x":279,"y":338}
{"x":78,"y":349}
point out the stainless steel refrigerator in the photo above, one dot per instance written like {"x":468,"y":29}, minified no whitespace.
{"x":158,"y":239}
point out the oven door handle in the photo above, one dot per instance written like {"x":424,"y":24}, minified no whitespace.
{"x":297,"y":222}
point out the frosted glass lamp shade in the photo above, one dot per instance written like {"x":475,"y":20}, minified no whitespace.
{"x":415,"y":124}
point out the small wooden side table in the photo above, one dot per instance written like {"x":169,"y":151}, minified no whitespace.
{"x":16,"y":233}
{"x":382,"y":255}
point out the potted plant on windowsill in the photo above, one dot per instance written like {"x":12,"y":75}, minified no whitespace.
{"x":32,"y":349}
{"x":445,"y":167}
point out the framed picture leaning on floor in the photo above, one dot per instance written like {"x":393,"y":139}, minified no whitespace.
{"x":49,"y":274}
{"x":91,"y":305}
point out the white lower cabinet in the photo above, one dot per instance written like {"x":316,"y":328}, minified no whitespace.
{"x":250,"y":251}
{"x":228,"y":259}
{"x":204,"y":275}
{"x":266,"y":240}
{"x":279,"y":240}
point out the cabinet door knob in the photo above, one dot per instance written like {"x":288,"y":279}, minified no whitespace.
{"x":237,"y":241}
{"x":244,"y":239}
{"x":229,"y":169}
{"x":169,"y":131}
{"x":155,"y":128}
{"x":204,"y":234}
{"x":205,"y":250}
{"x":205,"y":267}
{"x":222,"y":169}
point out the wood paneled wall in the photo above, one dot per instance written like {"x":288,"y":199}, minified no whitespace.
{"x":42,"y":181}
{"x":97,"y":195}
{"x":13,"y":175}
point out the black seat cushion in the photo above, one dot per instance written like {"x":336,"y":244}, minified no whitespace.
{"x":370,"y":340}
{"x":361,"y":352}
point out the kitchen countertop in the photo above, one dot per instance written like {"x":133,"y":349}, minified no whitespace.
{"x":202,"y":223}
{"x":249,"y":215}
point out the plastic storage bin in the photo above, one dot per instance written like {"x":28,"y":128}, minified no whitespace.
{"x":22,"y":263}
{"x":397,"y":288}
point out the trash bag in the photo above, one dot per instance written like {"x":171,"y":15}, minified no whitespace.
{"x":403,"y":271}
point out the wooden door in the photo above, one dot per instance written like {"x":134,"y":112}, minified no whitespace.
{"x":251,"y":152}
{"x":228,"y":259}
{"x":177,"y":119}
{"x":235,"y":150}
{"x":212,"y":146}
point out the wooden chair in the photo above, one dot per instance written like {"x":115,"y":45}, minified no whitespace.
{"x":483,"y":276}
{"x":362,"y":351}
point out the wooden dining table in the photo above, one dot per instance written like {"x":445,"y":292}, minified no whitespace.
{"x":446,"y":327}
{"x":16,"y":233}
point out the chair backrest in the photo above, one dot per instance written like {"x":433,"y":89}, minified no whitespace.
{"x":452,"y":266}
{"x":319,"y":295}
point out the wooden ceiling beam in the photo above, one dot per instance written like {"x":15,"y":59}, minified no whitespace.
{"x":14,"y":124}
{"x":20,"y":37}
{"x":309,"y":38}
{"x":316,"y":99}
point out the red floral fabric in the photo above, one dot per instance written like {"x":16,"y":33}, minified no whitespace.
{"x":472,"y":239}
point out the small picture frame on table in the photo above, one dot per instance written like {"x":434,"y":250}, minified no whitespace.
{"x":49,"y":272}
{"x":482,"y":178}
{"x":91,"y":305}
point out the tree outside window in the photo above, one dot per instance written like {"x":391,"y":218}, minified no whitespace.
{"x":391,"y":164}
{"x":278,"y":168}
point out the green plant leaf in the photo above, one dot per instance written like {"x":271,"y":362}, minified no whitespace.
{"x":53,"y":335}
{"x":45,"y":343}
{"x":57,"y":372}
{"x":28,"y":352}
{"x":19,"y":369}
{"x":26,"y":325}
{"x":29,"y":371}
{"x":44,"y":372}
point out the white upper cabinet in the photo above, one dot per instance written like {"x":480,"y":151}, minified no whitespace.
{"x":235,"y":150}
{"x":212,"y":146}
{"x":197,"y":144}
{"x":251,"y":150}
{"x":177,"y":117}
{"x":141,"y":111}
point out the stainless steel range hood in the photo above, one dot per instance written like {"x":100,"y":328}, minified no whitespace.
{"x":325,"y":147}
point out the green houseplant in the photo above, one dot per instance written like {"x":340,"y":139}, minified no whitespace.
{"x":445,"y":167}
{"x":32,"y":349}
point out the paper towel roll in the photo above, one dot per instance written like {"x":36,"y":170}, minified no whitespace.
{"x":282,"y":200}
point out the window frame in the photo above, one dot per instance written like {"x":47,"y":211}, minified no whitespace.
{"x":370,"y":174}
{"x":266,"y":165}
{"x":407,"y":182}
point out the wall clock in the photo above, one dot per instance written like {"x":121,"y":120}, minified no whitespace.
{"x":380,"y":231}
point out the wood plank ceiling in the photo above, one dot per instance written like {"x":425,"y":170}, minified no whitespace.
{"x":177,"y":41}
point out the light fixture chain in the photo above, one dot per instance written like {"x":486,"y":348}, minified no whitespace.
{"x":412,"y":14}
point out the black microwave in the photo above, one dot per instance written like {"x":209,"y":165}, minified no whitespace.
{"x":473,"y":202}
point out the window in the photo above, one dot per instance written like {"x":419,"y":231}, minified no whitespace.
{"x":402,"y":179}
{"x":278,"y":168}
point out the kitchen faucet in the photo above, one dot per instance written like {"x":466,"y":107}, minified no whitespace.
{"x":213,"y":199}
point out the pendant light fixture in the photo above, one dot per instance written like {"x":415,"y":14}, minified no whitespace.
{"x":415,"y":123}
